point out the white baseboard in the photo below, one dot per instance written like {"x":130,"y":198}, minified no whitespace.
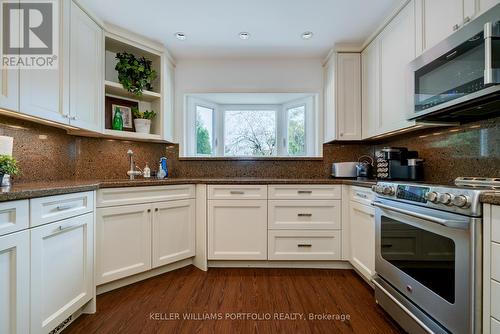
{"x":142,"y":276}
{"x":280,"y":264}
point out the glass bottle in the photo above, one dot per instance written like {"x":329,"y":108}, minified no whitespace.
{"x":118,"y":120}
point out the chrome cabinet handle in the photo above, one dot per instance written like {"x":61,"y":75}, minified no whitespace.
{"x":444,"y":222}
{"x":361,"y":195}
{"x":64,"y":228}
{"x":64,"y":207}
{"x":466,"y":19}
{"x":304,"y":245}
{"x":304,"y":191}
{"x":237,"y":192}
{"x":304,"y":214}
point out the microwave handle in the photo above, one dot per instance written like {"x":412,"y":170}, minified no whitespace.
{"x":463,"y":225}
{"x":491,"y":75}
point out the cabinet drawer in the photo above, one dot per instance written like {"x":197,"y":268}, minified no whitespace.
{"x":304,"y":245}
{"x":14,"y":216}
{"x":53,"y":208}
{"x":495,"y":223}
{"x":361,"y":195}
{"x":138,"y":195}
{"x":495,"y":299}
{"x":319,"y":191}
{"x":303,"y":214}
{"x":237,"y":192}
{"x":495,"y":261}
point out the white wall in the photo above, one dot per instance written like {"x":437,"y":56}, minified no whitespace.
{"x":246,"y":76}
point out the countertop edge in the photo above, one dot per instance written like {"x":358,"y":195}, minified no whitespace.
{"x":35,"y":190}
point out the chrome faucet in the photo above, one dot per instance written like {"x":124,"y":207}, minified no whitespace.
{"x":132,"y":173}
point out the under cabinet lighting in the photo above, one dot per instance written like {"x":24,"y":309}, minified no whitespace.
{"x":307,"y":35}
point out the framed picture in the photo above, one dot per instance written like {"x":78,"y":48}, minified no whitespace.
{"x":125,"y":107}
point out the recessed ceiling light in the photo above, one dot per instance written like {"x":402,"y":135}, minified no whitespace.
{"x":244,"y":35}
{"x":180,"y":36}
{"x":307,"y":35}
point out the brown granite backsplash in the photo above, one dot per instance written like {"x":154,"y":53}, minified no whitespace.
{"x":49,"y":154}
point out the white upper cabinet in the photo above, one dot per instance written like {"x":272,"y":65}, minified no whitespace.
{"x":371,"y":88}
{"x":86,"y":72}
{"x":397,"y":50}
{"x":342,"y":97}
{"x":484,"y":5}
{"x":440,"y":19}
{"x":9,"y":80}
{"x":384,"y":75}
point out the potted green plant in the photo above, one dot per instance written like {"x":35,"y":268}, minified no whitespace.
{"x":8,"y":165}
{"x":142,"y":120}
{"x":135,"y":74}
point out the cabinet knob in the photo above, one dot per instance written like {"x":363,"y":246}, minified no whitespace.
{"x":455,"y":27}
{"x":341,"y":135}
{"x":467,"y":19}
{"x":149,"y":210}
{"x":156,"y":209}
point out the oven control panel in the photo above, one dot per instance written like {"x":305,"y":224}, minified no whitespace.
{"x":412,"y":193}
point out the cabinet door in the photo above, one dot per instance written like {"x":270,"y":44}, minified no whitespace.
{"x":41,"y":90}
{"x":440,"y":19}
{"x":173,"y":231}
{"x":62,"y":275}
{"x":9,"y":79}
{"x":14,"y":283}
{"x":370,"y":80}
{"x":123,"y":241}
{"x":362,"y":219}
{"x":348,"y":96}
{"x":484,"y":5}
{"x":237,"y":229}
{"x":397,"y":49}
{"x":330,"y":121}
{"x":86,"y":70}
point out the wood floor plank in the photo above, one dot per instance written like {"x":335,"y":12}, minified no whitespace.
{"x":243,"y":298}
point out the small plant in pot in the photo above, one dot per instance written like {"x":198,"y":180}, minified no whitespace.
{"x":8,"y":166}
{"x":135,"y":74}
{"x":142,"y":120}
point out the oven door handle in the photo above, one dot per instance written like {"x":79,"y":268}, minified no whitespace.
{"x":444,"y":222}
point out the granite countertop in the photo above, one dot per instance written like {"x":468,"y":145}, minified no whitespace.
{"x":40,"y":189}
{"x":490,"y":198}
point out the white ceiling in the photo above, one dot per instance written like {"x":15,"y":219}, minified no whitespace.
{"x":212,"y":26}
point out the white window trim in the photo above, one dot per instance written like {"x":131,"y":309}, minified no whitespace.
{"x":218,"y":131}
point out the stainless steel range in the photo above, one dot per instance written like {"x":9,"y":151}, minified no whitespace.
{"x":428,"y":256}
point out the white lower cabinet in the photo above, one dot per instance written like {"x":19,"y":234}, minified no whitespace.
{"x":62,"y":276}
{"x":304,"y":245}
{"x":123,"y":241}
{"x":237,"y":229}
{"x":134,"y":238}
{"x":173,"y":231}
{"x":14,"y":283}
{"x":362,"y":232}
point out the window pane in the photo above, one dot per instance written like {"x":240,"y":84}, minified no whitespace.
{"x":296,"y":125}
{"x":204,"y":130}
{"x":250,"y":133}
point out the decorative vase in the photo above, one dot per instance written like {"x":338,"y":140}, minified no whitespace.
{"x":5,"y":180}
{"x":142,"y":125}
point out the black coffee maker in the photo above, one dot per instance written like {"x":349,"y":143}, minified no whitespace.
{"x":397,"y":163}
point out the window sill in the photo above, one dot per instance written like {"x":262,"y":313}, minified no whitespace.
{"x":250,"y":158}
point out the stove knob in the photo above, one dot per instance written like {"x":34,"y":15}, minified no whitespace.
{"x":388,"y":190}
{"x":374,"y":188}
{"x":460,"y":201}
{"x":432,"y":197}
{"x":379,"y":190}
{"x":445,"y":198}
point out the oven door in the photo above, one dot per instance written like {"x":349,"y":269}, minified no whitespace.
{"x":428,"y":256}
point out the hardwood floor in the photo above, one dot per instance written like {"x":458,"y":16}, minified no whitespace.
{"x":160,"y":304}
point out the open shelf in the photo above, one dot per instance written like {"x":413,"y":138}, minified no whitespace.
{"x":132,"y":135}
{"x":115,"y":88}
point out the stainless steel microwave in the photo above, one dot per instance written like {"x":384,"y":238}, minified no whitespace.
{"x":458,"y":80}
